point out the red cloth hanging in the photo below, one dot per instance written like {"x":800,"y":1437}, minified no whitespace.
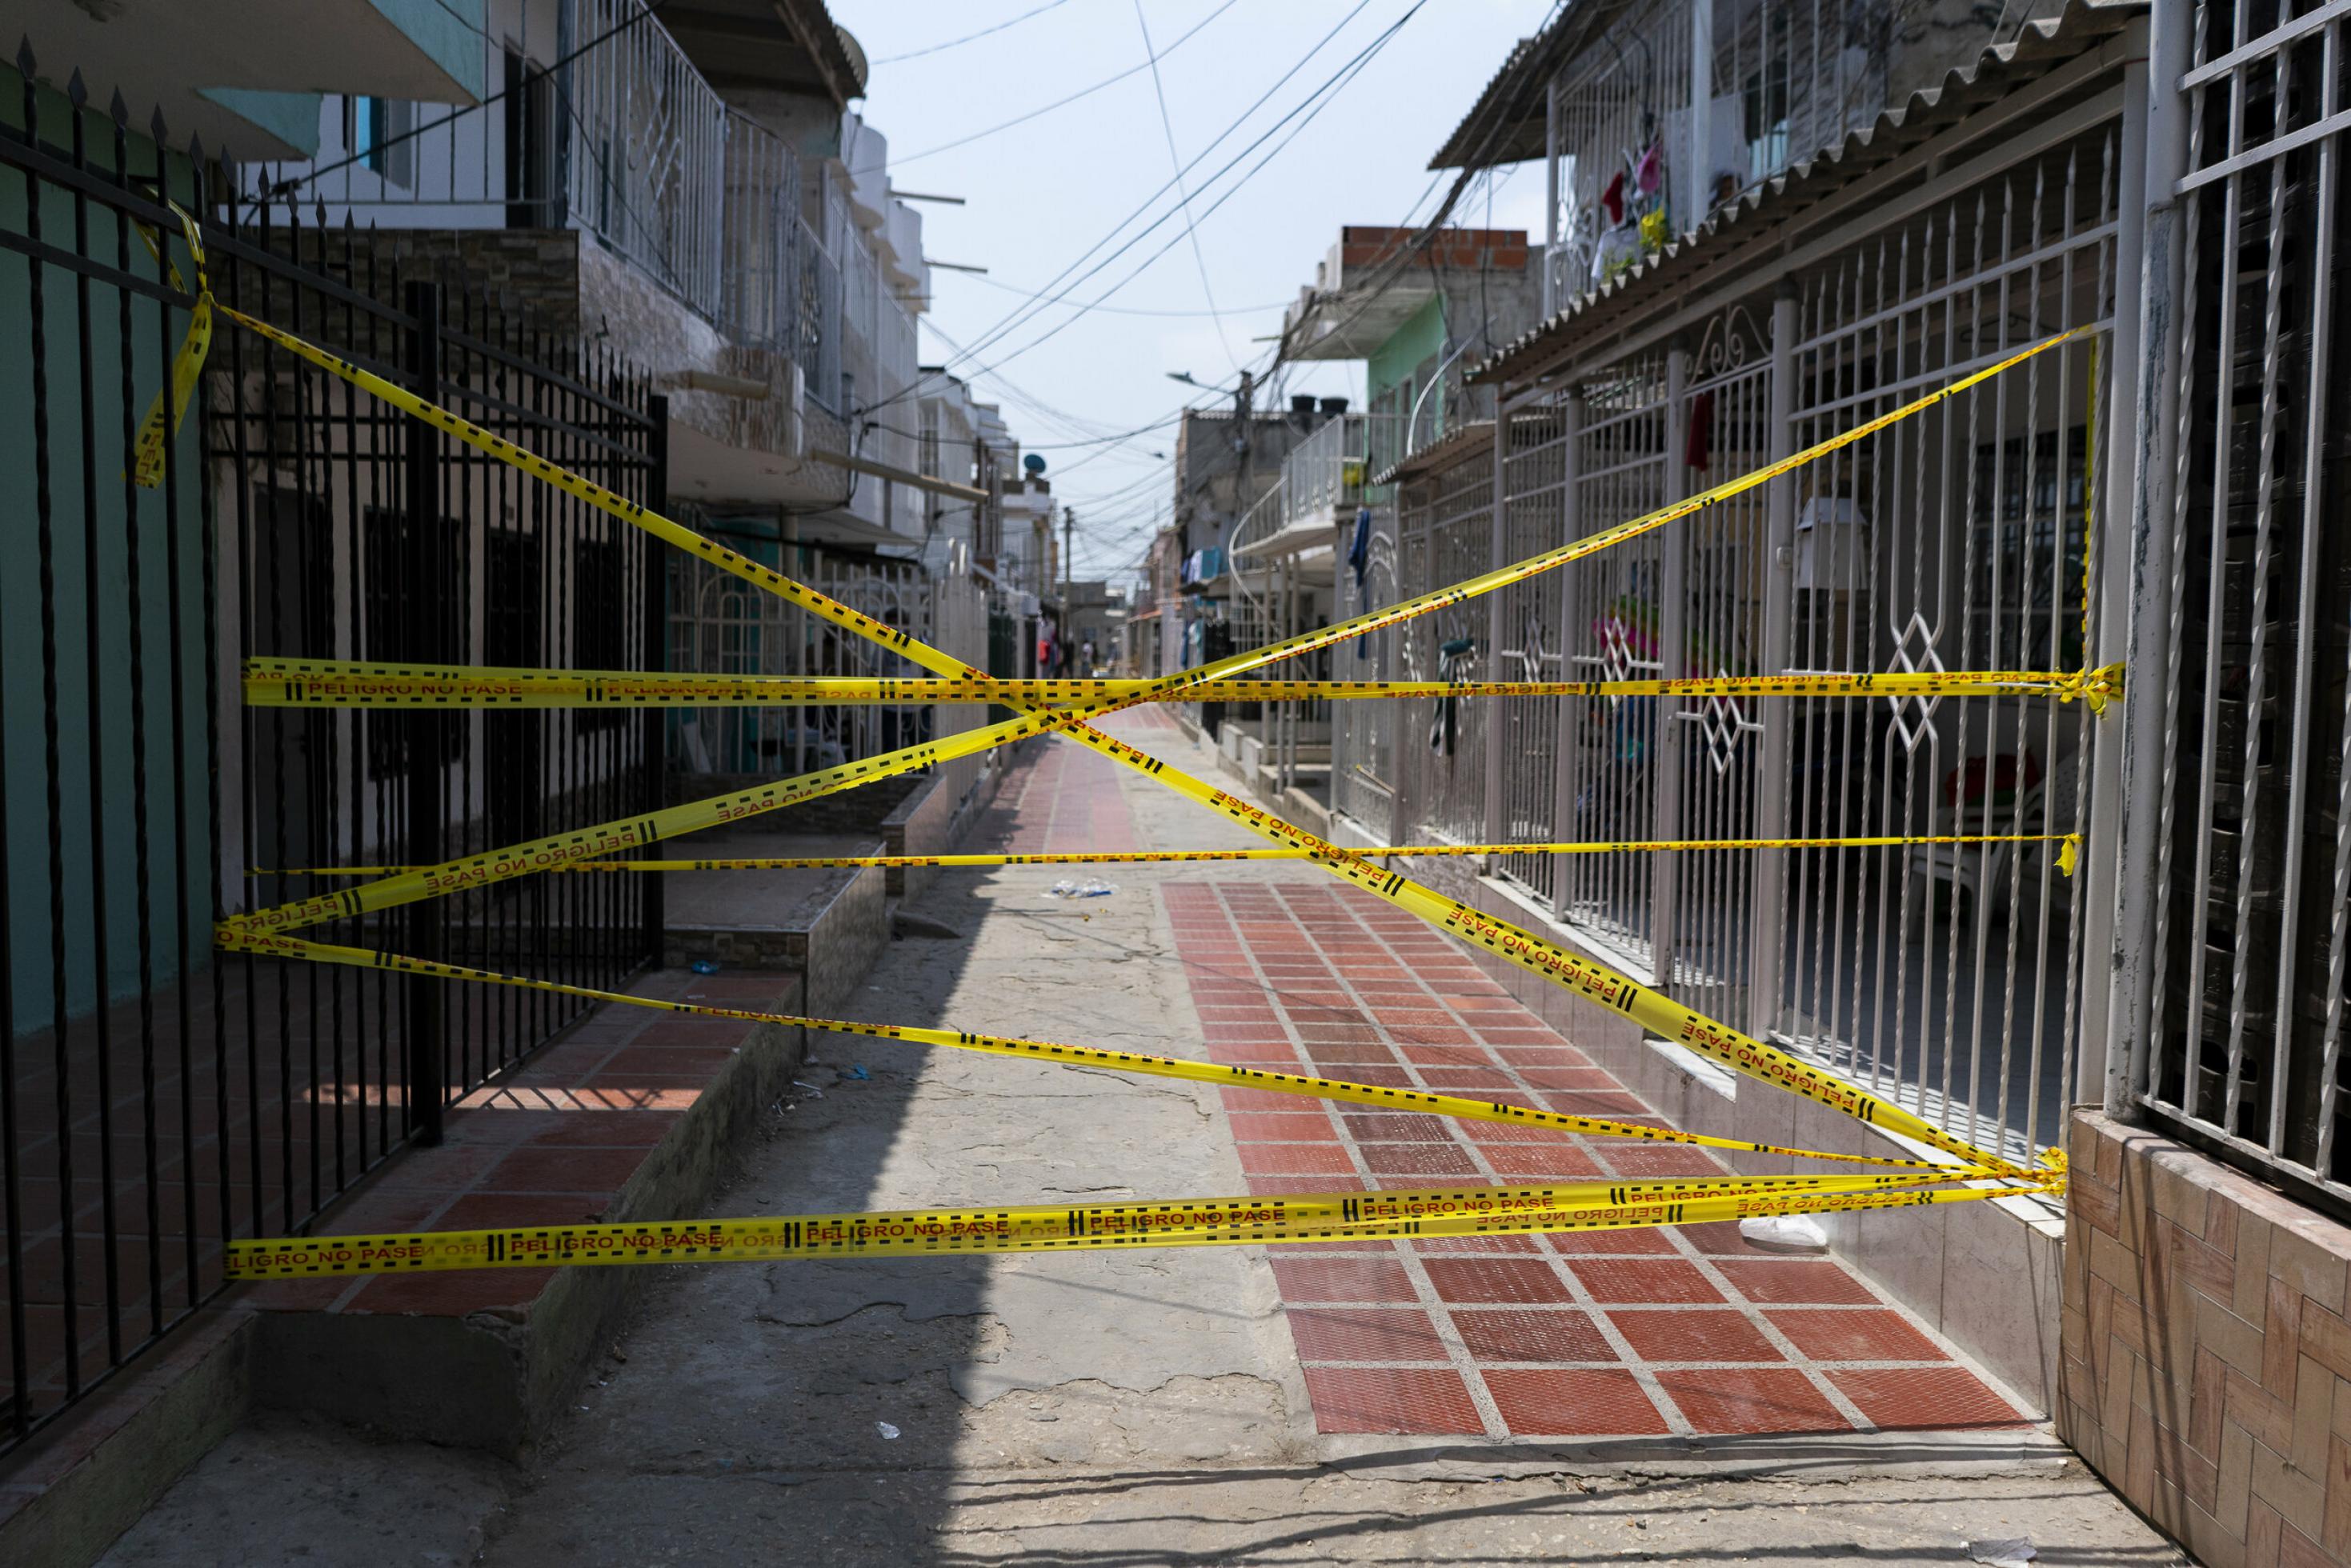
{"x":1698,"y":445}
{"x":1613,"y":199}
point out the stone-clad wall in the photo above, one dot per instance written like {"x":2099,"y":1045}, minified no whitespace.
{"x":2206,"y":1351}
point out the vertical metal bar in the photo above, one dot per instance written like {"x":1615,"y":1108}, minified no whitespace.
{"x":1667,"y":738}
{"x":2330,"y":1033}
{"x":2306,"y":612}
{"x":94,"y":719}
{"x":1490,"y":665}
{"x":2257,"y":674}
{"x":2147,"y":567}
{"x":2102,"y":883}
{"x":45,"y":537}
{"x":134,"y":580}
{"x":11,"y":1169}
{"x":1767,"y":934}
{"x":183,"y":993}
{"x":427,"y":1031}
{"x":656,"y":596}
{"x":1564,"y":823}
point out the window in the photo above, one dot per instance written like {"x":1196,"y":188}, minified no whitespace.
{"x":534,"y":182}
{"x":378,"y":132}
{"x":2026,"y":597}
{"x":601,"y":619}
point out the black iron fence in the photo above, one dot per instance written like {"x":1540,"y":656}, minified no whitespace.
{"x":153,"y":1101}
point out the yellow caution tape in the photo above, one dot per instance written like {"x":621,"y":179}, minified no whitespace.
{"x":2068,"y":854}
{"x":187,"y":365}
{"x":1417,"y":1101}
{"x":1194,"y":1222}
{"x":349,"y":683}
{"x":1592,"y":981}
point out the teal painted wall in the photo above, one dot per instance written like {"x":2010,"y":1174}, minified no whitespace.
{"x":1411,"y":346}
{"x":87,"y":459}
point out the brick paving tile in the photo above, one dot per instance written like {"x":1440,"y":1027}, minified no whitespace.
{"x":1533,"y":1162}
{"x":1724,"y":1335}
{"x":1654,"y":1162}
{"x":1612,"y":1244}
{"x":1365,"y":1334}
{"x":1327,"y":1160}
{"x":1450,"y":1246}
{"x":1509,"y":1280}
{"x":1721,"y":1400}
{"x":1391,"y":1400}
{"x":1795,"y":1281}
{"x":1381,"y":1127}
{"x":1331,"y":982}
{"x":1926,"y":1398}
{"x":1643,"y":1280}
{"x":1336,"y":1280}
{"x":1866,"y":1334}
{"x":1444,"y":1161}
{"x":1506,"y":1333}
{"x":1281,"y":1127}
{"x":1580,"y":1403}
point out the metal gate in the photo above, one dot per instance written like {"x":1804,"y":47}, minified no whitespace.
{"x":2239,"y":935}
{"x":156,"y":1101}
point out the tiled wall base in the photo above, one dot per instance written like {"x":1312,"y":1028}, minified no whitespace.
{"x":2206,"y":1351}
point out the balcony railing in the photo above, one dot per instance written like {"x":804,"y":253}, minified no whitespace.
{"x":628,"y":142}
{"x":1328,"y":469}
{"x":1669,"y":113}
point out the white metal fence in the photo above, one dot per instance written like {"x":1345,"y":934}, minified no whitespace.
{"x":1946,"y":979}
{"x":720,"y":624}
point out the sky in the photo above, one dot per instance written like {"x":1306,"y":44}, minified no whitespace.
{"x":1039,"y":195}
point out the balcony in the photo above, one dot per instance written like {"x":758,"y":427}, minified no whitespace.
{"x":196,"y":61}
{"x":619,"y":195}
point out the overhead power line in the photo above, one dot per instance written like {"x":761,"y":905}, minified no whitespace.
{"x":1057,"y":103}
{"x":1315,"y":103}
{"x":1175,"y":161}
{"x":968,"y":37}
{"x":1019,"y":314}
{"x":1136,"y":310}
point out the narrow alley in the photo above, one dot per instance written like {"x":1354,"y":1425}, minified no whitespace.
{"x":1715,"y":923}
{"x":1645,"y":1395}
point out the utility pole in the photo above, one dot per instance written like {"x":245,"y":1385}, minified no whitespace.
{"x":1068,"y":577}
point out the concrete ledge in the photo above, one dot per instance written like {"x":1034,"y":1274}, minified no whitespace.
{"x":630,"y":1115}
{"x":636,"y":1124}
{"x":933,"y":821}
{"x":89,"y":1477}
{"x":2207,"y":1348}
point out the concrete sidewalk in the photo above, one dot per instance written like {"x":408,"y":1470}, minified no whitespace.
{"x":1155,"y":1406}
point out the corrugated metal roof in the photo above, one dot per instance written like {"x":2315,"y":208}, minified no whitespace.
{"x":1442,"y":452}
{"x":2039,"y":48}
{"x":1506,"y":124}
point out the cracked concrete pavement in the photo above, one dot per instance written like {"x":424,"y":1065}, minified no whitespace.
{"x":1101,"y":1408}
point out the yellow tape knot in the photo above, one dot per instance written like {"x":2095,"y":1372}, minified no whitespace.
{"x":2099,"y":687}
{"x":2069,"y":854}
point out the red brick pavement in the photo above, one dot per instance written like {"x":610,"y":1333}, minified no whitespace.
{"x":1612,"y":1334}
{"x":1058,"y":796}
